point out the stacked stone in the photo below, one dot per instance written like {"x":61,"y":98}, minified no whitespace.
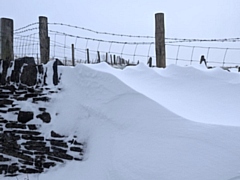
{"x":23,"y":147}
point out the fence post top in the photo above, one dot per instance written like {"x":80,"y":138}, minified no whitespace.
{"x":42,"y":17}
{"x":6,"y":19}
{"x":159,"y":14}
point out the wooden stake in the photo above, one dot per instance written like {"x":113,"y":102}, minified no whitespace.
{"x":73,"y":55}
{"x":160,"y":40}
{"x":44,"y":39}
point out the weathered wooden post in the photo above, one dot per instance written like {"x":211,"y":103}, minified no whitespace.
{"x":73,"y":55}
{"x":160,"y":40}
{"x":88,"y":58}
{"x":99,"y":60}
{"x":106,"y":57}
{"x":6,"y":39}
{"x":44,"y":39}
{"x":114,"y":59}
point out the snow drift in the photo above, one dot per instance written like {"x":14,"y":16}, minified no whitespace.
{"x":178,"y":123}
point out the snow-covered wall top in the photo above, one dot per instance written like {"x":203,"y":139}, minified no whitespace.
{"x":24,"y":71}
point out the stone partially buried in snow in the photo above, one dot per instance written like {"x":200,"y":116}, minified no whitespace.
{"x":29,"y":75}
{"x":45,"y":117}
{"x":25,"y":116}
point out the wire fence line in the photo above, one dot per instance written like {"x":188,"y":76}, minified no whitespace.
{"x":133,"y":48}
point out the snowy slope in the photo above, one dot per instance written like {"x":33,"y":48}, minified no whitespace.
{"x":136,"y":129}
{"x":196,"y":93}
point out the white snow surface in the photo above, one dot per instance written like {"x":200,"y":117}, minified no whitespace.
{"x":141,"y":123}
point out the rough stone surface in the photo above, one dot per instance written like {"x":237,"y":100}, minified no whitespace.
{"x":25,"y":116}
{"x":23,"y":147}
{"x":45,"y":117}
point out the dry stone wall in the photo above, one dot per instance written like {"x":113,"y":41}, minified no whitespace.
{"x":23,"y":147}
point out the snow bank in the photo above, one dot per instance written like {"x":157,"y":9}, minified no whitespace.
{"x":134,"y":123}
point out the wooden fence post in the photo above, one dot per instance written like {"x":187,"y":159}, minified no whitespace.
{"x":44,"y":39}
{"x":114,"y":59}
{"x":88,"y":59}
{"x":106,"y":57}
{"x":73,"y":55}
{"x":6,"y":39}
{"x":111,"y":59}
{"x":160,"y":40}
{"x":99,"y":60}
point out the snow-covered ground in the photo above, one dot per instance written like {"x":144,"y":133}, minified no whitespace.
{"x":177,"y":123}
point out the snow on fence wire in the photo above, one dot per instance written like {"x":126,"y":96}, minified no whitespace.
{"x":90,"y":46}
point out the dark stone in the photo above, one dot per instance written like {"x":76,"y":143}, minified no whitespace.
{"x":30,"y":171}
{"x":21,"y":91}
{"x":15,"y":126}
{"x":17,"y":154}
{"x":30,"y":89}
{"x":26,"y":132}
{"x":6,"y":102}
{"x":28,"y":61}
{"x":37,"y":148}
{"x":77,"y":159}
{"x":25,"y":116}
{"x":11,"y":88}
{"x":29,"y":75}
{"x":34,"y":138}
{"x":44,"y":99}
{"x":2,"y":106}
{"x":30,"y":95}
{"x":27,"y":152}
{"x":3,"y":159}
{"x":3,"y":111}
{"x":40,"y":69}
{"x":76,"y":149}
{"x":21,"y":98}
{"x":45,"y":117}
{"x":5,"y":64}
{"x":34,"y":143}
{"x":12,"y":169}
{"x":55,"y":159}
{"x":3,"y":168}
{"x":49,"y":164}
{"x":53,"y":92}
{"x":13,"y":109}
{"x":4,"y":96}
{"x":39,"y":160}
{"x":59,"y":143}
{"x":63,"y":155}
{"x":77,"y":143}
{"x":56,"y":149}
{"x":42,"y":109}
{"x":30,"y":163}
{"x":32,"y":127}
{"x":9,"y":136}
{"x":56,"y":135}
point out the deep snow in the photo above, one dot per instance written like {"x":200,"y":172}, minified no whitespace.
{"x":177,"y":123}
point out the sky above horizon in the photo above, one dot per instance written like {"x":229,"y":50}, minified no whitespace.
{"x":183,"y":19}
{"x":199,"y":19}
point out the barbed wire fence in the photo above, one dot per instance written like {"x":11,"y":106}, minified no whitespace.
{"x":105,"y":46}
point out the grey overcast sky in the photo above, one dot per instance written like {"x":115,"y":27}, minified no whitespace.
{"x":183,"y":18}
{"x":193,"y":19}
